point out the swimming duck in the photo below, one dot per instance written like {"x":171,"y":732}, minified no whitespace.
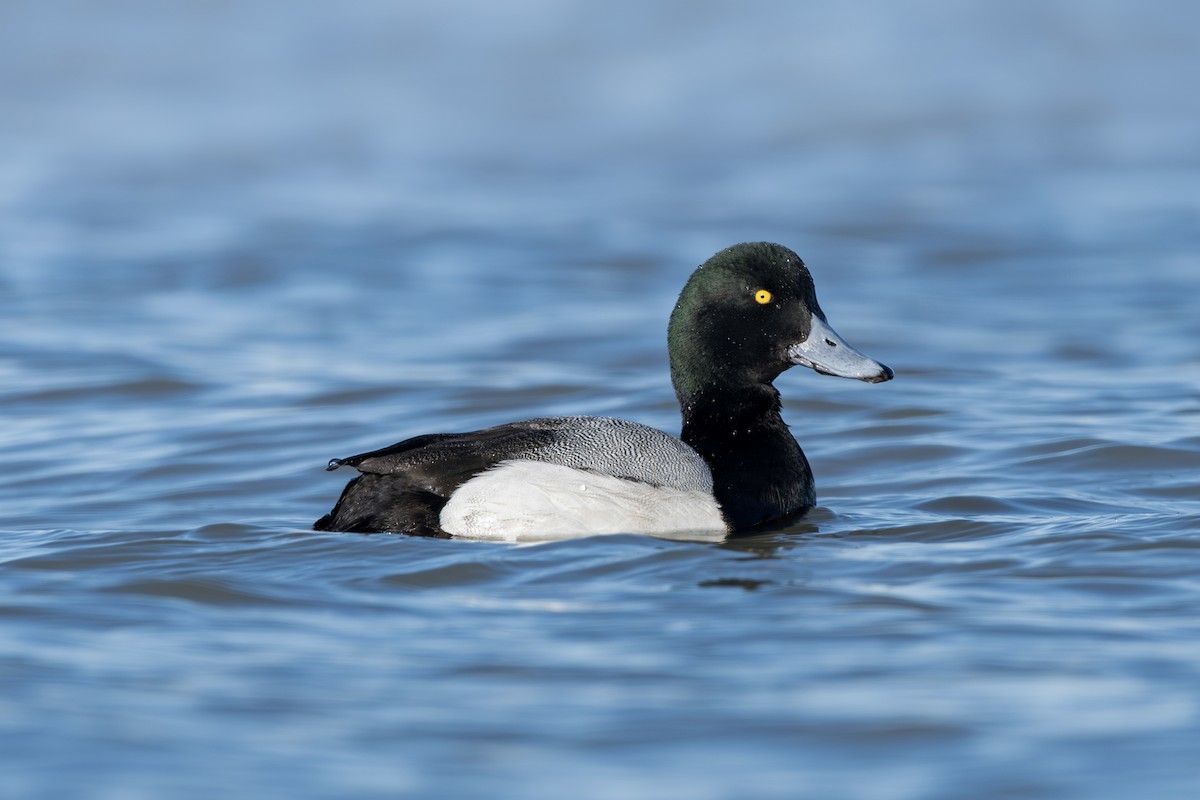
{"x":745,"y":315}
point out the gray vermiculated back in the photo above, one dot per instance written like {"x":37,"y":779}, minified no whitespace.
{"x":626,"y":450}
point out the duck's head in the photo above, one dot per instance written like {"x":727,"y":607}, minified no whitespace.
{"x":749,"y":313}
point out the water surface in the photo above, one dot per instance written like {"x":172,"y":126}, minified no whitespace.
{"x":238,"y":241}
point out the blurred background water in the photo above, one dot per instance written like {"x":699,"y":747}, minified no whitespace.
{"x":239,"y":239}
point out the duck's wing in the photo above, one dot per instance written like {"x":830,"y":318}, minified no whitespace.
{"x":440,"y":462}
{"x":403,"y":487}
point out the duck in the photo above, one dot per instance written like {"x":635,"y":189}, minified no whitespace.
{"x":745,"y":315}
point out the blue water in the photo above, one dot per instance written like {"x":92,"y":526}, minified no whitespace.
{"x":237,"y":240}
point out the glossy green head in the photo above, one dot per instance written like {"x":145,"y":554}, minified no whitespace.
{"x":746,"y":315}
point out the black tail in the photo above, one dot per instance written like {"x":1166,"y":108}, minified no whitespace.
{"x":385,"y":504}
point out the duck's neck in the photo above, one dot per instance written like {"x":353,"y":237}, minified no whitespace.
{"x":759,"y":472}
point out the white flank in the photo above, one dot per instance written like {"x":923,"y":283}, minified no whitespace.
{"x":519,"y":501}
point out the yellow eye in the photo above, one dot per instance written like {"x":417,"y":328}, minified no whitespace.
{"x":762,"y":297}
